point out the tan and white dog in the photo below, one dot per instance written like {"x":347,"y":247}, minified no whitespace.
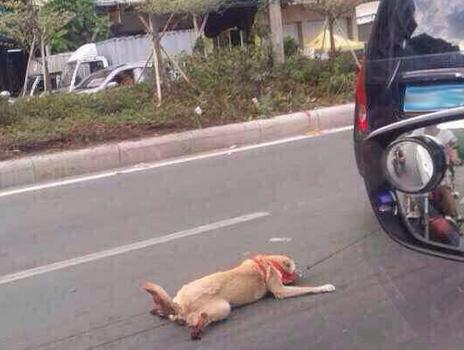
{"x":210,"y":299}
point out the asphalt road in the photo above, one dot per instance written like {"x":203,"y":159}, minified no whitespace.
{"x":311,"y":205}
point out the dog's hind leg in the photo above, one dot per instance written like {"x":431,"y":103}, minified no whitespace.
{"x":215,"y":310}
{"x":164,"y":306}
{"x":197,"y":327}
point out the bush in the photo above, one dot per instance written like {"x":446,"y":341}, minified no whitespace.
{"x":290,"y":46}
{"x":7,"y":112}
{"x":228,"y":68}
{"x":200,"y":46}
{"x":338,"y":77}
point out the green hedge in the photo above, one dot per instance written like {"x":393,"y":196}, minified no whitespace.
{"x":227,"y":81}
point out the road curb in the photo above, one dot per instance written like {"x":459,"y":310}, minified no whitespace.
{"x":323,"y":118}
{"x":46,"y":167}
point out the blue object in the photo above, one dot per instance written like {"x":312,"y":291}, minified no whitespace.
{"x":431,"y":98}
{"x":385,"y":201}
{"x":385,"y":198}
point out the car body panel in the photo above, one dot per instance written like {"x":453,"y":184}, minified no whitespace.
{"x":413,"y":73}
{"x":100,"y":80}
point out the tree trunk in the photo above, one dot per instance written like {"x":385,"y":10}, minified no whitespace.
{"x":195,"y":26}
{"x":203,"y":24}
{"x":199,"y":30}
{"x":333,"y":49}
{"x":154,"y":26}
{"x":45,"y":72}
{"x":159,"y":36}
{"x":275,"y":20}
{"x":180,"y":70}
{"x":28,"y":67}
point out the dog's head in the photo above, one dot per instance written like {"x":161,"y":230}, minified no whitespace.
{"x":284,"y":265}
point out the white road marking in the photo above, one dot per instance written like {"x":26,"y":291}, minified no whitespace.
{"x":280,"y":240}
{"x":129,"y":248}
{"x":150,"y":166}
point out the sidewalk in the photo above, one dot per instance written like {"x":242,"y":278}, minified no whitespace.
{"x":41,"y":168}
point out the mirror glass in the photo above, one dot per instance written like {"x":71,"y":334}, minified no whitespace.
{"x":434,"y":217}
{"x":409,"y":166}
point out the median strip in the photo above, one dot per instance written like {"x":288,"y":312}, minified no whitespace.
{"x":49,"y":167}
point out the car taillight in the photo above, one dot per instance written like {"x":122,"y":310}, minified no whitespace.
{"x":361,"y":100}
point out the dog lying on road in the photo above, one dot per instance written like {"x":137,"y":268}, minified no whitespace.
{"x":210,"y":299}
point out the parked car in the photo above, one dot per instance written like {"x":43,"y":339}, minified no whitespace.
{"x":409,"y":123}
{"x":35,"y":84}
{"x":124,"y":74}
{"x":92,"y":57}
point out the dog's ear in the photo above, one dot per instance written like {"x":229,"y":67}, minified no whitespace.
{"x":287,"y":264}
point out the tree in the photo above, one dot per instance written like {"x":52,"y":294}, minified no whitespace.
{"x":50,"y":24}
{"x":332,"y":10}
{"x":277,"y":32}
{"x":15,"y":21}
{"x":31,"y":25}
{"x":197,"y":7}
{"x":86,"y":26}
{"x":156,"y":10}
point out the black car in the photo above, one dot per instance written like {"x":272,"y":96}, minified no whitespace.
{"x":409,"y":123}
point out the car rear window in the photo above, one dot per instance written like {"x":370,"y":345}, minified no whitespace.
{"x":417,"y":27}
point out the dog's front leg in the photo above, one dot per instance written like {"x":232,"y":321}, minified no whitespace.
{"x":289,"y":292}
{"x":280,"y":291}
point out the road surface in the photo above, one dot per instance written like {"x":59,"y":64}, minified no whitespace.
{"x":70,"y":273}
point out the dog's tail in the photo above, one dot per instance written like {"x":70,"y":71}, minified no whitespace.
{"x":163,"y":302}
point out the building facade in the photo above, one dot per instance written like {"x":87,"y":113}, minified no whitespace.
{"x":304,"y":25}
{"x":12,"y":66}
{"x":298,"y":22}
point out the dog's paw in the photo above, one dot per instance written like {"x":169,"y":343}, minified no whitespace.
{"x":158,"y":312}
{"x":327,"y":288}
{"x":195,"y":333}
{"x":154,"y":312}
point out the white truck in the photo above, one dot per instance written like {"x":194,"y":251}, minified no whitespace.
{"x":93,"y":57}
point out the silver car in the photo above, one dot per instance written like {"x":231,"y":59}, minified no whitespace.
{"x":113,"y":76}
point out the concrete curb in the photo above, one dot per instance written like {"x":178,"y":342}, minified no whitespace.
{"x":332,"y":117}
{"x":36,"y":169}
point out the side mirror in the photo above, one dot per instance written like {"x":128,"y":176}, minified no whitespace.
{"x":112,"y":85}
{"x":414,"y":175}
{"x":428,"y":184}
{"x":415,"y":165}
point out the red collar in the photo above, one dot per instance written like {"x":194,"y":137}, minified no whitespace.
{"x":261,"y":267}
{"x":285,"y":277}
{"x":279,"y":268}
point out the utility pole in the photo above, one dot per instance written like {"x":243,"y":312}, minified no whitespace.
{"x":277,"y":36}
